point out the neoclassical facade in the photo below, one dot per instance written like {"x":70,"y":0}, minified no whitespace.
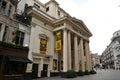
{"x":58,"y":41}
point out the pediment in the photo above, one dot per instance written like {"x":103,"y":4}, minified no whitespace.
{"x":76,"y":24}
{"x":81,"y":25}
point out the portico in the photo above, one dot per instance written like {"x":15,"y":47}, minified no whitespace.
{"x":75,"y":51}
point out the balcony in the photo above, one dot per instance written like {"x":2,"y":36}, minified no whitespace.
{"x":24,"y":18}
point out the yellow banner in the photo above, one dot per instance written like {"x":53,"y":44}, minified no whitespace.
{"x":58,"y":41}
{"x":43,"y":46}
{"x":58,"y":45}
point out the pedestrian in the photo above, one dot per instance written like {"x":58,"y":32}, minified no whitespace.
{"x":101,"y":66}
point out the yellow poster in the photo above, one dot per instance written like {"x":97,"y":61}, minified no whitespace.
{"x":43,"y":46}
{"x":58,"y":41}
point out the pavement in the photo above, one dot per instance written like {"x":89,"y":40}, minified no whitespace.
{"x":108,"y":74}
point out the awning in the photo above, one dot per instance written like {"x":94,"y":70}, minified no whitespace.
{"x":19,"y":59}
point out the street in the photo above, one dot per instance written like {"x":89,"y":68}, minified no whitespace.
{"x":101,"y":75}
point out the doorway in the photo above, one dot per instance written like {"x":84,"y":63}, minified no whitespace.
{"x":35,"y":71}
{"x":45,"y":70}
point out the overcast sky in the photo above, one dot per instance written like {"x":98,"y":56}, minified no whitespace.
{"x":102,"y":17}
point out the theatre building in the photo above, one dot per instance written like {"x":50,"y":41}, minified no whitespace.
{"x":14,"y":42}
{"x":59,"y":42}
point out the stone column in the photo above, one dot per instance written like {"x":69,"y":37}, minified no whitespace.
{"x":40,"y":67}
{"x":30,"y":54}
{"x":50,"y":67}
{"x":82,"y":55}
{"x":79,"y":55}
{"x":76,"y":66}
{"x":87,"y":55}
{"x":69,"y":50}
{"x":65,"y":50}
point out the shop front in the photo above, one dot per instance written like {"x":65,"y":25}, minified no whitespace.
{"x":13,"y":62}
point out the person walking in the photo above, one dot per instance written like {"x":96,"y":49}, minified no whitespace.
{"x":101,"y":66}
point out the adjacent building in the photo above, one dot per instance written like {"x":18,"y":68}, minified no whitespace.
{"x":112,"y":51}
{"x":95,"y":60}
{"x":58,"y":42}
{"x":14,"y":42}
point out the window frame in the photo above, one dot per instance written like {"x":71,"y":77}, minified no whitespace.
{"x":47,"y":9}
{"x":20,"y":36}
{"x":3,"y":7}
{"x":0,"y":26}
{"x":9,"y":10}
{"x":58,"y":13}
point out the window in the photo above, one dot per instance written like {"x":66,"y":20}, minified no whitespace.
{"x":119,"y":41}
{"x":58,"y":13}
{"x":9,"y":11}
{"x":43,"y":46}
{"x":47,"y":9}
{"x":54,"y":64}
{"x":19,"y":38}
{"x":10,"y":68}
{"x":117,"y":34}
{"x":45,"y":24}
{"x":5,"y":32}
{"x":3,"y":7}
{"x":37,"y":6}
{"x":0,"y":26}
{"x":1,"y":57}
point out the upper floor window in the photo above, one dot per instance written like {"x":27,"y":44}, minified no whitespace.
{"x":119,"y":41}
{"x":5,"y":32}
{"x":58,"y":13}
{"x":0,"y":26}
{"x":43,"y":46}
{"x":117,"y":34}
{"x":47,"y":9}
{"x":9,"y":11}
{"x":3,"y":7}
{"x":19,"y":38}
{"x":43,"y":43}
{"x":36,"y":5}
